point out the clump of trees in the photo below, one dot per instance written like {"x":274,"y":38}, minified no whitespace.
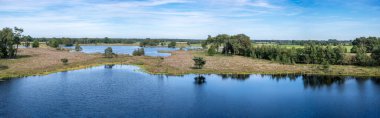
{"x":239,"y":44}
{"x":309,"y":54}
{"x":172,"y":44}
{"x":10,"y":39}
{"x":369,"y":43}
{"x":139,"y":52}
{"x":108,"y":53}
{"x":199,"y":62}
{"x":35,"y":44}
{"x":55,"y":42}
{"x":149,"y":42}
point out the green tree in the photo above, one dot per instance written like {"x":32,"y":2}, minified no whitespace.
{"x":369,"y":43}
{"x":339,"y":54}
{"x":36,"y":44}
{"x":108,"y":53}
{"x":27,"y":40}
{"x":77,"y":47}
{"x":204,"y":44}
{"x":211,"y":51}
{"x":7,"y":43}
{"x":107,"y":40}
{"x":139,"y":52}
{"x":172,"y":44}
{"x":376,"y":55}
{"x":362,"y":58}
{"x":199,"y":62}
{"x":17,"y":38}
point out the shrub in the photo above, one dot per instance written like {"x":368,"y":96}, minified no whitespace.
{"x":211,"y":51}
{"x":77,"y":47}
{"x":65,"y":61}
{"x":36,"y":44}
{"x":199,"y":62}
{"x":108,"y":53}
{"x":326,"y":66}
{"x":172,"y":44}
{"x":139,"y":52}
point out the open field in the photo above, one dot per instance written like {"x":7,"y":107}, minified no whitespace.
{"x":37,"y":61}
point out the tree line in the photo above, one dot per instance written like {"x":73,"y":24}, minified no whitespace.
{"x":369,"y":43}
{"x":311,"y":53}
{"x":333,"y":42}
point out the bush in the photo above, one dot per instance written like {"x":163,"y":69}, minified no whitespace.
{"x":211,"y":51}
{"x":65,"y":61}
{"x":36,"y":44}
{"x":139,"y":52}
{"x":77,"y":47}
{"x":326,"y":66}
{"x":172,"y":44}
{"x":199,"y":62}
{"x":108,"y":53}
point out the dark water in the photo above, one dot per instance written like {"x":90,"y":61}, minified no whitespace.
{"x":149,"y":51}
{"x":124,"y":91}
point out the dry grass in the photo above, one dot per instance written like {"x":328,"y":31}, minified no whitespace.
{"x":181,"y":63}
{"x":47,"y":60}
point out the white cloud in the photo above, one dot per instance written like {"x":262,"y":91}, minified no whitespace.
{"x":261,"y":19}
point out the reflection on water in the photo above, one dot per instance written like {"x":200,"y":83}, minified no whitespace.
{"x":318,"y":81}
{"x":235,"y":76}
{"x":199,"y":80}
{"x":109,"y":66}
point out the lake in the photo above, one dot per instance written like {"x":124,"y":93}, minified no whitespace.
{"x":149,"y":51}
{"x":126,"y":91}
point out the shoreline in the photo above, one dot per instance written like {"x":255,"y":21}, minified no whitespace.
{"x":73,"y":68}
{"x":179,"y":63}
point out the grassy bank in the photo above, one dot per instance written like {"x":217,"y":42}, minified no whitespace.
{"x":46,"y":60}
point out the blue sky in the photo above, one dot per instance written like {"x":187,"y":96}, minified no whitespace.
{"x":260,"y":19}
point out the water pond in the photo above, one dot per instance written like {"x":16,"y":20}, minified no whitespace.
{"x":149,"y":51}
{"x":126,"y":91}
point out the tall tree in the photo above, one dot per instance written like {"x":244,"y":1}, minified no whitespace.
{"x":17,"y":37}
{"x":7,"y":42}
{"x":361,"y":57}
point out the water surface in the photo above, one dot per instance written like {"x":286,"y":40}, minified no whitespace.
{"x":149,"y":51}
{"x":125,"y":91}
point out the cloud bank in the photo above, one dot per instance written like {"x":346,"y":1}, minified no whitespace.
{"x":195,"y":19}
